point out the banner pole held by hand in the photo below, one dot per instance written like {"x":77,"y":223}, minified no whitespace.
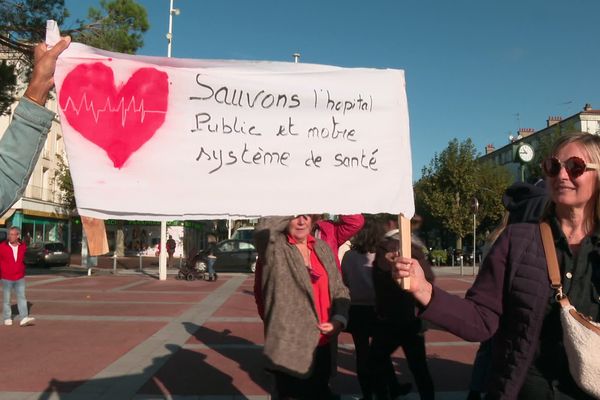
{"x":52,"y":33}
{"x":405,"y":243}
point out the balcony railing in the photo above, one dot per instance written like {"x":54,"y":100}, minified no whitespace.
{"x":40,"y":193}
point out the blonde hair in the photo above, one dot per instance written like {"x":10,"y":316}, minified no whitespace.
{"x":591,"y":145}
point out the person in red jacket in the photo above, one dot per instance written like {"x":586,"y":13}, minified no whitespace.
{"x":336,"y":233}
{"x":12,"y":268}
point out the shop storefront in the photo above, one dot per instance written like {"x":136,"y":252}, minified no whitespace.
{"x":143,"y":237}
{"x":40,"y":228}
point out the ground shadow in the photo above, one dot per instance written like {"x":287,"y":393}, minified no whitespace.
{"x":65,"y":271}
{"x":228,"y":345}
{"x":447,"y":375}
{"x":156,"y":379}
{"x":14,"y":309}
{"x":248,"y":355}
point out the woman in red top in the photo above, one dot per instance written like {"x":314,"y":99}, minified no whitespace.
{"x":304,"y":305}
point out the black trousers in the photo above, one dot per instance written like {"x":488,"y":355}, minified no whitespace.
{"x":314,"y":387}
{"x":386,"y":340}
{"x":363,"y":320}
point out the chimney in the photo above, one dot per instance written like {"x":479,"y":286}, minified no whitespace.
{"x":587,"y":107}
{"x":553,"y":120}
{"x":489,"y":148}
{"x":524,"y":132}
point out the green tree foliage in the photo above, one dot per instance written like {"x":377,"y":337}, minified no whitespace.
{"x":22,"y":23}
{"x":64,"y":182}
{"x":450,"y":182}
{"x":8,"y":82}
{"x":118,"y":25}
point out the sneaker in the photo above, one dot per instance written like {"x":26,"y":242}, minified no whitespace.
{"x":27,"y":321}
{"x":8,"y":322}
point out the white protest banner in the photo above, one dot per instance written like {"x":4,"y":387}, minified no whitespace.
{"x":157,"y":138}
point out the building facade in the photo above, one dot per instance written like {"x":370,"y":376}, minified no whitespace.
{"x":39,"y":213}
{"x":587,"y":120}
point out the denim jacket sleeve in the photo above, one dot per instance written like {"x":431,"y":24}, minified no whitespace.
{"x":20,"y":147}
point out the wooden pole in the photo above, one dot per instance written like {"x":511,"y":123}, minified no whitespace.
{"x":405,"y":242}
{"x":95,"y":232}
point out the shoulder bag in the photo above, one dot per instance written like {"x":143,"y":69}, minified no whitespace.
{"x":581,"y":335}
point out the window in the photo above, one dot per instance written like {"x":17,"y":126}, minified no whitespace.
{"x":246,"y":246}
{"x":55,"y":247}
{"x":226,"y":247}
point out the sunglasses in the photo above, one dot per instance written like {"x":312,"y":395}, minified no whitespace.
{"x":574,"y":166}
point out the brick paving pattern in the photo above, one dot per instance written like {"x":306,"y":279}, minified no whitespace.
{"x":130,"y":336}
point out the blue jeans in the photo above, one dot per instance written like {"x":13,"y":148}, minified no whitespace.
{"x":19,"y":287}
{"x":211,"y":265}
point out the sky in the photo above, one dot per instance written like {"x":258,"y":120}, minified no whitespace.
{"x":478,"y":69}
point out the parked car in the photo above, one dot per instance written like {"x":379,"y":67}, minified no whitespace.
{"x":47,"y":254}
{"x":244,"y":233}
{"x":232,"y":255}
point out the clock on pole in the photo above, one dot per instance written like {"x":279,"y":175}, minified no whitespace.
{"x":525,"y":153}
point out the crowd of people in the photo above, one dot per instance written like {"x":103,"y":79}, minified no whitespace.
{"x":511,"y":307}
{"x":306,"y":296}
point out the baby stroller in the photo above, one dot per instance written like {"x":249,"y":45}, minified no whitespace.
{"x":195,"y":268}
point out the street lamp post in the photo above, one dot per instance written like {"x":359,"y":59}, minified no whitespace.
{"x":172,"y":11}
{"x":475,"y":208}
{"x":162,"y":259}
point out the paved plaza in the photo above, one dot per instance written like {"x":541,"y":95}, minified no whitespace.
{"x":131,"y":336}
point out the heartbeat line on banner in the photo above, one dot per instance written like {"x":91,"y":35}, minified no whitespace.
{"x":108,"y":107}
{"x":124,"y":126}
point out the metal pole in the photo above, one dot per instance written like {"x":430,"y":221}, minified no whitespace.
{"x":69,"y":232}
{"x":475,"y":207}
{"x":141,"y":268}
{"x":170,"y":34}
{"x":115,"y":262}
{"x":474,"y":240}
{"x":162,"y":259}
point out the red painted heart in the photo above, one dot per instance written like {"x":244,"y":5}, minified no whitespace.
{"x":117,"y":119}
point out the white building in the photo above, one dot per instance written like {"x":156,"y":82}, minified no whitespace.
{"x":587,"y":120}
{"x":38,"y":213}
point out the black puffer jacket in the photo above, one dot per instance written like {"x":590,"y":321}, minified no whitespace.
{"x":509,"y":299}
{"x":394,"y":305}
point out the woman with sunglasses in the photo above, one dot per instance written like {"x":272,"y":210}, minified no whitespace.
{"x":512,"y":298}
{"x":303,"y":303}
